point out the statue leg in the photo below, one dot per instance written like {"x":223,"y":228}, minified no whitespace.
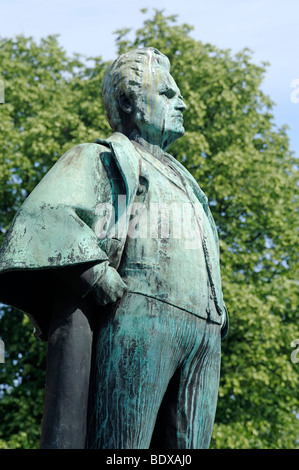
{"x":148,"y":350}
{"x":187,"y":413}
{"x":137,"y":355}
{"x":68,"y":373}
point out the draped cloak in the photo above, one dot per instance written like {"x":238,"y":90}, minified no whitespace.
{"x":55,"y":228}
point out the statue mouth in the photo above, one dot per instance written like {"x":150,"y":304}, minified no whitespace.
{"x":178,"y":116}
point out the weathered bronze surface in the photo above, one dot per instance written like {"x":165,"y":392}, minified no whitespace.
{"x":115,"y":258}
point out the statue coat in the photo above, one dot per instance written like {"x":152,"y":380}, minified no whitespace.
{"x":53,"y":242}
{"x":55,"y":227}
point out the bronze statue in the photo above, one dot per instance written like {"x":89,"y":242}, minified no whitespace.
{"x":115,"y":258}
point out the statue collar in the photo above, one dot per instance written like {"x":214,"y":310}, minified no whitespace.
{"x":127,"y":159}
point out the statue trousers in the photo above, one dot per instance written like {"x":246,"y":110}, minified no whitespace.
{"x":156,"y":377}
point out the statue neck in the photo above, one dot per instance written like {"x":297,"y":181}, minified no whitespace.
{"x":155,"y":150}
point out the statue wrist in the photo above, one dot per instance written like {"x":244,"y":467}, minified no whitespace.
{"x":109,"y":287}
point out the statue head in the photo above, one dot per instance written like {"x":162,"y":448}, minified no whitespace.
{"x":142,"y":99}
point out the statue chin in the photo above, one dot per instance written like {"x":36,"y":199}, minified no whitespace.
{"x":162,"y":138}
{"x":173,"y":135}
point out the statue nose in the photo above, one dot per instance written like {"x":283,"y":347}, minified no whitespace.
{"x":181,"y":106}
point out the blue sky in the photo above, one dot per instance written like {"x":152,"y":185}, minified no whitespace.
{"x":270,"y":28}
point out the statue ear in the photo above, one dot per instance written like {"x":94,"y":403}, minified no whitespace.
{"x":125,"y":104}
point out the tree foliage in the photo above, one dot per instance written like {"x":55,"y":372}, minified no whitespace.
{"x":243,"y":163}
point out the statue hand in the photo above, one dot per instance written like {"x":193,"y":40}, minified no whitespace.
{"x":109,"y":288}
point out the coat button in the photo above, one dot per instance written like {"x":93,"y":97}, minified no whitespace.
{"x":140,"y":190}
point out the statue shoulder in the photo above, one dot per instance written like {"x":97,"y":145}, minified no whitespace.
{"x":92,"y":166}
{"x":117,"y":147}
{"x":78,"y":163}
{"x":83,"y":152}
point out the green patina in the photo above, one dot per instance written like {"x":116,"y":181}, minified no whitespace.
{"x":54,"y":239}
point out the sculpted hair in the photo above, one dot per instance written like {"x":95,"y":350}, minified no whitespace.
{"x":126,"y":75}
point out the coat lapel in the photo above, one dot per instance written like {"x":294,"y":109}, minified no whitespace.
{"x":197,"y":191}
{"x":126,"y":159}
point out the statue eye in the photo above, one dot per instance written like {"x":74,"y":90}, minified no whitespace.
{"x":169,"y":93}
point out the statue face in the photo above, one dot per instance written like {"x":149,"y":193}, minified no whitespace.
{"x":158,"y":108}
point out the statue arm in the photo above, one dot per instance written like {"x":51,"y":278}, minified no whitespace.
{"x":102,"y":281}
{"x":53,"y":237}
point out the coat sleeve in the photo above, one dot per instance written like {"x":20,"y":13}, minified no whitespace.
{"x":53,"y":235}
